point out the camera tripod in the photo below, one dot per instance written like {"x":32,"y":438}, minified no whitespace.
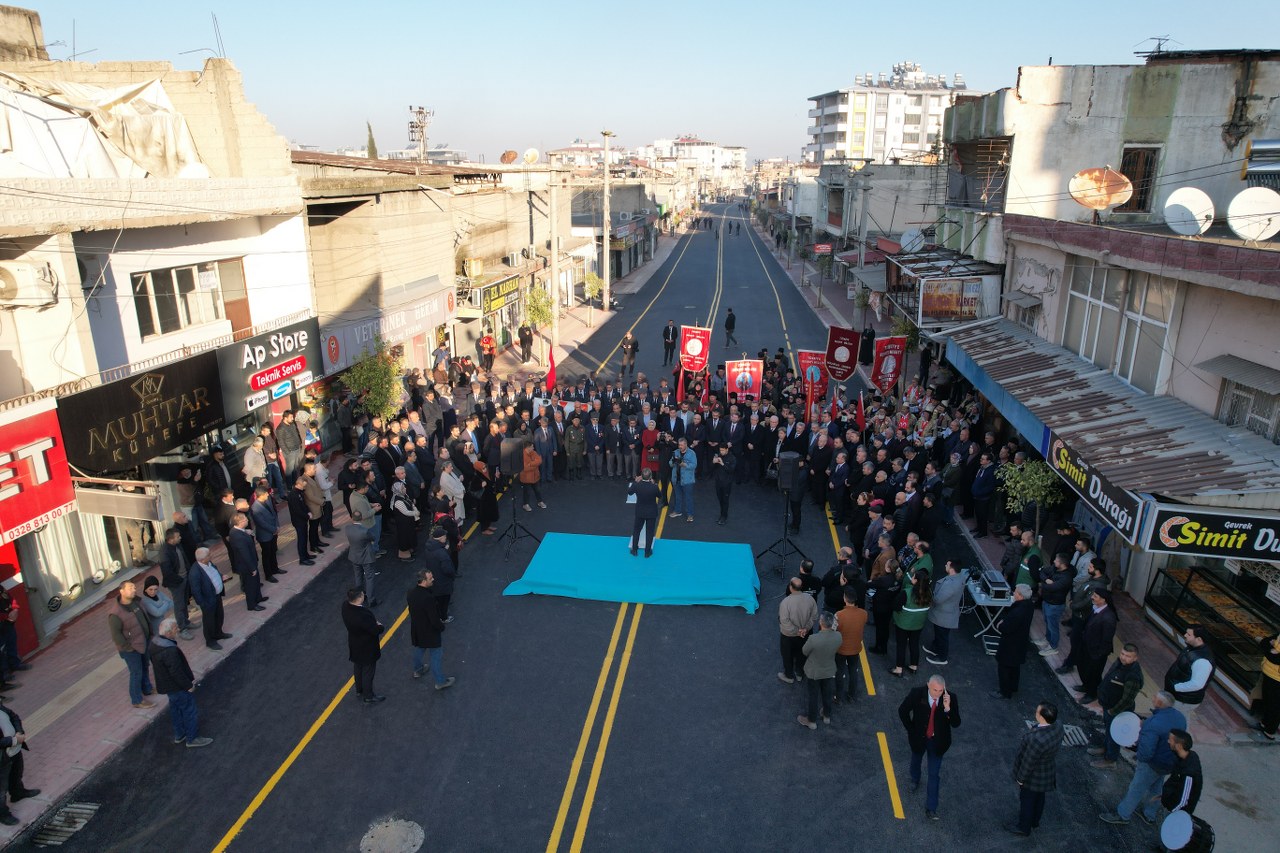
{"x":783,"y":547}
{"x":515,"y":530}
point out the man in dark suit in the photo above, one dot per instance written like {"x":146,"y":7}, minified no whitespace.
{"x":670,"y":334}
{"x":1035,"y":768}
{"x":929,"y":714}
{"x":1015,"y":635}
{"x":223,"y":512}
{"x":672,"y":424}
{"x":735,"y":436}
{"x":363,"y":631}
{"x":300,"y":517}
{"x":244,"y":562}
{"x":207,"y":589}
{"x":838,"y":488}
{"x":11,"y":766}
{"x":425,"y":629}
{"x":436,"y":560}
{"x":647,"y":497}
{"x":266,"y":529}
{"x":173,"y":574}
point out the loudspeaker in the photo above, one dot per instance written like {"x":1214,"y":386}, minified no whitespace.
{"x":788,"y":471}
{"x":512,"y":450}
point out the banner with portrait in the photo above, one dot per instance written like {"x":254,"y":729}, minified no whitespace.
{"x":891,"y":354}
{"x":813,"y":373}
{"x":745,"y":377}
{"x":842,"y":352}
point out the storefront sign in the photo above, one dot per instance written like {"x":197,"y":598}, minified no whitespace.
{"x":1234,"y":534}
{"x":745,"y":377}
{"x":842,"y":352}
{"x":695,"y":343}
{"x":253,"y":370}
{"x":1120,"y":508}
{"x":35,"y":483}
{"x":950,"y":298}
{"x":344,"y":345}
{"x":822,"y":248}
{"x":498,"y":296}
{"x":890,"y":355}
{"x":123,"y":424}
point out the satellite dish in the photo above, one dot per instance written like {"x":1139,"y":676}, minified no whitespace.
{"x":1099,"y":188}
{"x":1189,"y":211}
{"x":912,"y":240}
{"x":509,"y":157}
{"x":531,"y":156}
{"x":1254,"y":214}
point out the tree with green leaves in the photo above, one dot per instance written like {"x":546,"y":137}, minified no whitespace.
{"x":370,"y":147}
{"x":1032,"y":482}
{"x":376,"y":375}
{"x":825,"y":263}
{"x":537,"y":309}
{"x":591,"y":288}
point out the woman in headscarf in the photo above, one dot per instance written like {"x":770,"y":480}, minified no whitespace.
{"x":406,"y":516}
{"x":452,"y":485}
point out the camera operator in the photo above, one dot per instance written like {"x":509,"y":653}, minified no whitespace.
{"x":684,"y":466}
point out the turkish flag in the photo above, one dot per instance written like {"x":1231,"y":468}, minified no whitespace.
{"x":695,"y":343}
{"x":862,"y":414}
{"x":551,"y":369}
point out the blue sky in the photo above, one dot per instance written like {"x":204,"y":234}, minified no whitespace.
{"x":538,"y":74}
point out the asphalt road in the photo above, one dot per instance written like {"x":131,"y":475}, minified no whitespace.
{"x":702,"y":750}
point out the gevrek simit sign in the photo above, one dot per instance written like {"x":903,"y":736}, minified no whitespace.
{"x":1118,"y":507}
{"x":1201,"y":532}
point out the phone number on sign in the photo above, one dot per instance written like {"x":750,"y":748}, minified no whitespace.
{"x":36,"y":523}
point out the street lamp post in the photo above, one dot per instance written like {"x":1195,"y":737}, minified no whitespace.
{"x":608,"y":265}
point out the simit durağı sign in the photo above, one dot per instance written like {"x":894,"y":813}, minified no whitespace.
{"x":1206,"y":533}
{"x":1118,"y":507}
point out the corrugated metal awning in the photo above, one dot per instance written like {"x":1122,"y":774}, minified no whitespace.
{"x":942,"y":263}
{"x":1022,"y":300}
{"x":1156,"y":445}
{"x":1241,"y":370}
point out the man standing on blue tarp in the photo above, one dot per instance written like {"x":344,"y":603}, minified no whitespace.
{"x":646,"y":493}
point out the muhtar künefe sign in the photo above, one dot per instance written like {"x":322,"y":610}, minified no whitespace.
{"x":1118,"y":507}
{"x":1203,"y":532}
{"x":122,"y":424}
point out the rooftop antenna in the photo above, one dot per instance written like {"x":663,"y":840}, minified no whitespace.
{"x":419,"y":119}
{"x":1160,"y":41}
{"x":217,"y":36}
{"x":74,"y":52}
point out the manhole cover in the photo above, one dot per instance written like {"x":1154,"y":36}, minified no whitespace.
{"x":66,"y":822}
{"x":392,"y":836}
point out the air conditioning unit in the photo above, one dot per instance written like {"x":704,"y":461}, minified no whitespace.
{"x":645,"y":211}
{"x":531,"y":252}
{"x":473,"y":267}
{"x":624,"y":216}
{"x":513,"y":259}
{"x":475,"y":298}
{"x":20,"y":285}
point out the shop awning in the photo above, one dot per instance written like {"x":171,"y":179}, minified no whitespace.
{"x":1250,"y":373}
{"x":1146,"y":444}
{"x":1022,"y":300}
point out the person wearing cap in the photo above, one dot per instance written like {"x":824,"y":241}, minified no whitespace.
{"x":613,"y":447}
{"x":436,"y":560}
{"x":158,"y":605}
{"x":575,"y":447}
{"x":631,"y":445}
{"x":176,"y":681}
{"x":595,"y":440}
{"x":425,"y":630}
{"x":1014,"y":627}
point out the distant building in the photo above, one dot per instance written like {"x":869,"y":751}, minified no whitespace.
{"x":883,"y":118}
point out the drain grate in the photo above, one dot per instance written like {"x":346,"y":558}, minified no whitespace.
{"x":66,"y":822}
{"x":1071,"y":735}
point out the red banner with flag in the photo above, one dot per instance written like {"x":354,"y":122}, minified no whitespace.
{"x":745,"y":377}
{"x":842,"y":352}
{"x":813,"y":373}
{"x":695,"y":344}
{"x":891,"y":353}
{"x":551,"y":369}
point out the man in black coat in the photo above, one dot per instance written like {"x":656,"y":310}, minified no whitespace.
{"x":425,"y":629}
{"x":244,"y":562}
{"x":437,"y":561}
{"x":173,"y":574}
{"x":266,"y":529}
{"x":173,"y":678}
{"x":1035,"y":768}
{"x":11,"y":766}
{"x":1099,"y":639}
{"x":724,"y":471}
{"x":670,"y":334}
{"x":363,"y":631}
{"x":646,"y":519}
{"x":1015,"y":635}
{"x":300,"y":517}
{"x":929,"y":714}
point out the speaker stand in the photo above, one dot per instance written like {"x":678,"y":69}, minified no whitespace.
{"x":515,"y":530}
{"x":783,"y":547}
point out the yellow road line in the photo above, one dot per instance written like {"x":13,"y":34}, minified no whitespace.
{"x":888,"y":775}
{"x":776,"y":297}
{"x":589,"y":798}
{"x":553,"y":843}
{"x":688,"y":240}
{"x":866,"y":671}
{"x":265,"y":791}
{"x":302,"y":744}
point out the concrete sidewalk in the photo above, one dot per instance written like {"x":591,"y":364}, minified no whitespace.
{"x":74,"y":701}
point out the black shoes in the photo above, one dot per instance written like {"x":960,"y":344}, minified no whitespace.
{"x":24,"y":795}
{"x":374,"y":699}
{"x":257,"y":607}
{"x":307,"y":562}
{"x":281,"y":572}
{"x":213,"y":646}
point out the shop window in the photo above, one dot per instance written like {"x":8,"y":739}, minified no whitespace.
{"x":1139,"y":166}
{"x":1255,"y":410}
{"x":170,"y":300}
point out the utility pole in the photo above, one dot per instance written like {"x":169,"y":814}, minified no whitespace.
{"x":795,"y":187}
{"x":862,"y":222}
{"x":553,"y":200}
{"x":419,"y":119}
{"x":608,"y":264}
